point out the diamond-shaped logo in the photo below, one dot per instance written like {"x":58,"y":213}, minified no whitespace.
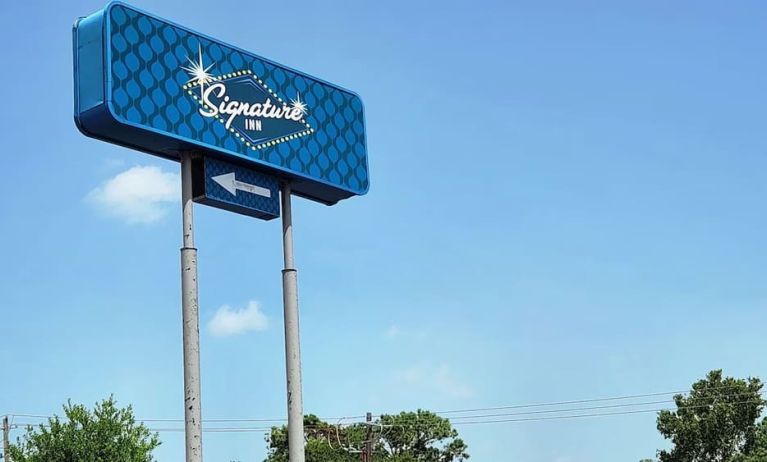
{"x":247,"y":107}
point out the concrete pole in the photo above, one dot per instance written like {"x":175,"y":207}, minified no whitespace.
{"x":191,"y":322}
{"x":292,"y":340}
{"x":6,"y":436}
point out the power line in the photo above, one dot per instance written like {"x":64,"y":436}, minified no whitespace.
{"x":576,"y":409}
{"x":580,"y":416}
{"x":583,"y":401}
{"x":281,"y":419}
{"x":414,"y":420}
{"x":415,"y":424}
{"x":459,"y":411}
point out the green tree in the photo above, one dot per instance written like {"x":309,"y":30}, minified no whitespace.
{"x":108,"y":434}
{"x":715,"y":422}
{"x":324,"y":442}
{"x":758,"y":452}
{"x":419,"y":436}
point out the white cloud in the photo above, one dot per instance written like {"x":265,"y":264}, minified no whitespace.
{"x":139,"y":195}
{"x":410,"y":333}
{"x":438,"y":379}
{"x":393,"y":331}
{"x":228,"y":321}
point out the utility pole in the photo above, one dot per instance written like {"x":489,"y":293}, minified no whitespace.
{"x":6,"y":432}
{"x":368,"y":439}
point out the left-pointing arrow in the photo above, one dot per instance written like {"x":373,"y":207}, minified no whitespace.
{"x":231,"y":184}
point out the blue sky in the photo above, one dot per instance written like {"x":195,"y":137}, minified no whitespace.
{"x":566,"y":203}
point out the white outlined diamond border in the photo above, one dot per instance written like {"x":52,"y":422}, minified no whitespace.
{"x":309,"y":130}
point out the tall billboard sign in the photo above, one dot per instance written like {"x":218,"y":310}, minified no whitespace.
{"x":149,"y":84}
{"x":248,"y":132}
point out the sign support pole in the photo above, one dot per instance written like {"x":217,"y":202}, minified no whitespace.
{"x":292,"y":340}
{"x":191,"y":321}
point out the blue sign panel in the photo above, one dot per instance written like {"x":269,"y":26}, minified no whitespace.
{"x":151,"y":85}
{"x":235,"y":188}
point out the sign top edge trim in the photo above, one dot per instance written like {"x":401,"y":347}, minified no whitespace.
{"x":107,"y":9}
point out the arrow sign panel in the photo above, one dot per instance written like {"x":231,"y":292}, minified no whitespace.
{"x":229,"y":182}
{"x":235,"y":188}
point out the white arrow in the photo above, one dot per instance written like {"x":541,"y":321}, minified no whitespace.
{"x":231,"y":184}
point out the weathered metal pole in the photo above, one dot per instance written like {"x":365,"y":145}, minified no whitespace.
{"x":191,"y":320}
{"x":292,"y":339}
{"x":6,"y":437}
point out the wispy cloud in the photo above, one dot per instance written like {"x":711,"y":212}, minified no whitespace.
{"x":407,"y":332}
{"x":228,"y":321}
{"x":392,"y":331}
{"x":139,"y":195}
{"x":438,"y":379}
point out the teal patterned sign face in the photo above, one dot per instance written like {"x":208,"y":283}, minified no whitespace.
{"x":151,"y":85}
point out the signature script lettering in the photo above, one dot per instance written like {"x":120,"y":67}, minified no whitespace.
{"x":232,"y":108}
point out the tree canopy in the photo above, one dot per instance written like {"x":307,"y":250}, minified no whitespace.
{"x":107,"y":434}
{"x":758,"y":452}
{"x":716,"y":422}
{"x":420,"y":436}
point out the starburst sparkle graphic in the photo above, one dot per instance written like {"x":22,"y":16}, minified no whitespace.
{"x":298,"y":104}
{"x":198,"y":71}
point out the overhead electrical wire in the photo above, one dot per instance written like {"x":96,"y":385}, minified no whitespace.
{"x":599,"y":414}
{"x":583,"y":401}
{"x":462,"y":419}
{"x":414,"y":424}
